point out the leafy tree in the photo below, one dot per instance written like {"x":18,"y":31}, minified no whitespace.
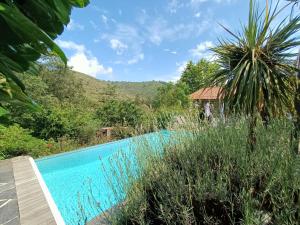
{"x":194,"y":75}
{"x":57,"y":121}
{"x":37,"y":89}
{"x":61,"y":81}
{"x":4,"y":117}
{"x":256,"y":66}
{"x":28,"y":29}
{"x":115,"y":112}
{"x":172,"y":96}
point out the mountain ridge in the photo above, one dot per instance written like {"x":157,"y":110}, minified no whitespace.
{"x":94,"y":87}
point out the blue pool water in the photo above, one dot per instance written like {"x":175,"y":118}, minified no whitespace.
{"x":85,"y":182}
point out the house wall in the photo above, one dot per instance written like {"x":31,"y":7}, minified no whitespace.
{"x":216,"y":106}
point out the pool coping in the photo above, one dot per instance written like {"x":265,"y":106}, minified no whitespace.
{"x":35,"y":202}
{"x":55,"y":212}
{"x":91,"y":147}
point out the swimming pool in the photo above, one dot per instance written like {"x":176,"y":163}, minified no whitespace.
{"x":84,"y":183}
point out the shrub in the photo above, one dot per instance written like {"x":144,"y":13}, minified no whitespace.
{"x":164,"y":118}
{"x":211,"y":178}
{"x":16,"y":141}
{"x":172,"y":96}
{"x":117,"y":112}
{"x":60,"y":121}
{"x":124,"y":132}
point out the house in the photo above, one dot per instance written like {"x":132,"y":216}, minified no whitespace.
{"x":209,"y":99}
{"x":207,"y":94}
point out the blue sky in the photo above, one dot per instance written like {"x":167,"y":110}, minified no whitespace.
{"x":141,"y":40}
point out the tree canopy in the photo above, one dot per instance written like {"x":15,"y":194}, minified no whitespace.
{"x":28,"y":29}
{"x":116,"y":112}
{"x":194,"y":74}
{"x":172,"y":96}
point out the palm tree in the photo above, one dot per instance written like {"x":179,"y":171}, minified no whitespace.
{"x":296,"y":135}
{"x":257,"y":65}
{"x":296,"y":132}
{"x":294,"y":3}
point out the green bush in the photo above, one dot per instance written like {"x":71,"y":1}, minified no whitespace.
{"x":119,"y":113}
{"x":212,"y":178}
{"x":164,"y":118}
{"x":16,"y":141}
{"x":172,"y":96}
{"x":59,"y":121}
{"x":125,"y":132}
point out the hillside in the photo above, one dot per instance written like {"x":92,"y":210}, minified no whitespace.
{"x":123,"y":89}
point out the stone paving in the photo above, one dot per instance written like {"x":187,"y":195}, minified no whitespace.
{"x":9,"y":209}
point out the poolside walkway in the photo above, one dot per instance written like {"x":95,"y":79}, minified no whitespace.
{"x":22,"y":199}
{"x":9,"y":209}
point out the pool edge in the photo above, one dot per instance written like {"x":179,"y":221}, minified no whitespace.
{"x":55,"y":212}
{"x":93,"y":146}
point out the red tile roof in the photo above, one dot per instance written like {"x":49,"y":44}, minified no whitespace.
{"x":210,"y":93}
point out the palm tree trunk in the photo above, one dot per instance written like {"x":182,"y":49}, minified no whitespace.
{"x":252,"y":133}
{"x":296,"y":133}
{"x":265,"y":117}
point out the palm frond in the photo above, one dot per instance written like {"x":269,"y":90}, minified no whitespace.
{"x":257,"y":64}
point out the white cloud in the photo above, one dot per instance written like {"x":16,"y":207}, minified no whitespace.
{"x":90,"y":65}
{"x":160,"y":30}
{"x":83,"y":61}
{"x":198,"y":14}
{"x":93,"y":24}
{"x":71,"y":45}
{"x":104,"y":19}
{"x":136,"y":59}
{"x":174,"y":76}
{"x":174,"y":5}
{"x":74,"y":26}
{"x":170,"y":51}
{"x":132,"y":51}
{"x":118,"y":46}
{"x":198,"y":2}
{"x":202,"y":50}
{"x":142,"y":17}
{"x":181,"y":67}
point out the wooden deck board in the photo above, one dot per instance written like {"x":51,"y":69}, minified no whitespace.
{"x":33,"y":206}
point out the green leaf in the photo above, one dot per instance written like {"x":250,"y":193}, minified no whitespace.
{"x":27,"y":30}
{"x":80,"y":3}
